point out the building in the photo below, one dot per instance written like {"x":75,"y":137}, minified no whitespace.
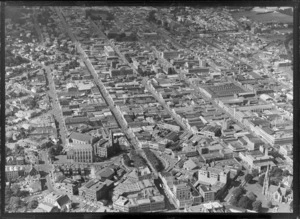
{"x":180,"y":193}
{"x":146,"y":201}
{"x":79,"y":138}
{"x":286,"y":150}
{"x":252,"y":142}
{"x":80,"y":153}
{"x":104,"y":148}
{"x":20,"y":160}
{"x":68,"y":186}
{"x":13,"y":172}
{"x":103,"y":174}
{"x":62,"y":202}
{"x":256,"y":159}
{"x":210,"y":207}
{"x":95,"y":189}
{"x":109,"y":51}
{"x":45,"y":207}
{"x":170,"y":54}
{"x":128,"y":187}
{"x":212,"y":175}
{"x":207,"y":193}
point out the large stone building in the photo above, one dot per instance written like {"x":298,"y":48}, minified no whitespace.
{"x":181,"y":193}
{"x":95,"y":189}
{"x":80,"y":153}
{"x":211,"y":175}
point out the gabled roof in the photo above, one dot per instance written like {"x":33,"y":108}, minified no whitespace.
{"x":81,"y":137}
{"x":106,"y":172}
{"x":46,"y":207}
{"x":190,"y":164}
{"x":63,"y":200}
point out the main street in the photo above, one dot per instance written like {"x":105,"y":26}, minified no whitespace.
{"x":105,"y":94}
{"x":58,"y":115}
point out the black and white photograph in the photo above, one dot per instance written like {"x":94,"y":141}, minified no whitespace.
{"x":166,"y":109}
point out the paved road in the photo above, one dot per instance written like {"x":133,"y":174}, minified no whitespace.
{"x":114,"y":109}
{"x":63,"y":131}
{"x":48,"y":166}
{"x":159,"y":185}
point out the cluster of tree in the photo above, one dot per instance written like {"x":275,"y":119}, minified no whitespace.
{"x":156,"y":163}
{"x":138,"y":161}
{"x":276,"y":176}
{"x":173,"y":146}
{"x":19,"y":151}
{"x":55,"y":150}
{"x":71,"y":65}
{"x":122,"y":37}
{"x":261,"y":179}
{"x":13,"y":197}
{"x":32,"y":103}
{"x":8,"y":151}
{"x":248,"y":177}
{"x":255,"y":173}
{"x":245,"y":201}
{"x":127,"y":160}
{"x":46,"y":145}
{"x":236,"y":195}
{"x":33,"y":204}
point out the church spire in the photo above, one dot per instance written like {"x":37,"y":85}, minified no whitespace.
{"x":266,"y":181}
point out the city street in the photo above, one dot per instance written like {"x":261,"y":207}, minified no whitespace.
{"x":117,"y":113}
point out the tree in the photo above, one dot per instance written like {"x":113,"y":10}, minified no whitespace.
{"x":233,"y":201}
{"x":15,"y":188}
{"x":15,"y":203}
{"x":275,"y":180}
{"x":169,"y":144}
{"x":257,"y":206}
{"x":238,"y":192}
{"x":23,"y":193}
{"x":8,"y":151}
{"x":248,"y":177}
{"x":17,"y":147}
{"x":261,"y":179}
{"x":276,"y":172}
{"x":285,"y":173}
{"x":51,"y":151}
{"x":46,"y":145}
{"x":8,"y":194}
{"x":33,"y":204}
{"x":255,"y":173}
{"x":252,"y":196}
{"x":245,"y":202}
{"x":269,"y":204}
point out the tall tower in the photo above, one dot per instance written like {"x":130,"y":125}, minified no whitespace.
{"x":266,"y":181}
